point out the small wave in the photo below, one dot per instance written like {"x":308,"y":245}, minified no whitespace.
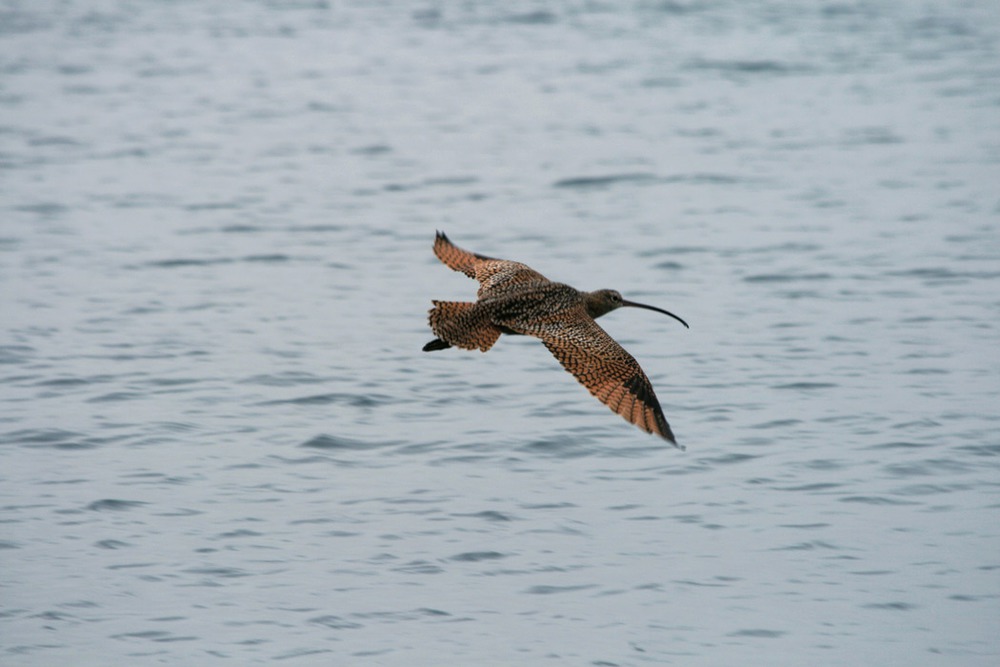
{"x":874,"y":500}
{"x":15,"y":354}
{"x":354,"y":400}
{"x":182,"y":262}
{"x":477,"y":556}
{"x":901,"y":445}
{"x":115,"y":505}
{"x":335,"y":622}
{"x":52,"y":437}
{"x":538,"y":17}
{"x":805,"y":386}
{"x":758,"y":632}
{"x":332,"y":442}
{"x":808,"y":546}
{"x":552,"y":590}
{"x":585,"y":182}
{"x":739,"y":66}
{"x":489,"y":515}
{"x":285,"y":379}
{"x":891,"y":606}
{"x":786,"y":277}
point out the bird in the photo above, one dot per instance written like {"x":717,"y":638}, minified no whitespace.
{"x":515,"y":299}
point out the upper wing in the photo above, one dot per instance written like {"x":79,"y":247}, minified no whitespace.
{"x":491,"y":273}
{"x":606,"y":370}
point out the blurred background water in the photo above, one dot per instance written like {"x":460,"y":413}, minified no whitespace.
{"x":222,"y":444}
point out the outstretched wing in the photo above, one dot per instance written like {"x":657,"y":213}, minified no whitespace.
{"x":494,"y":275}
{"x":606,"y":370}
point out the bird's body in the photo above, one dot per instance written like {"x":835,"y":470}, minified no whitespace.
{"x":515,"y":299}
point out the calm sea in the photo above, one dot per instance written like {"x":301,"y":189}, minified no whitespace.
{"x":220,"y":442}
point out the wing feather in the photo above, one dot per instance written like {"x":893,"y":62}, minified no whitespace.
{"x":494,"y":275}
{"x":610,"y":373}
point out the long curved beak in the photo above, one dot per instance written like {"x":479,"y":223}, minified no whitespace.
{"x":633,"y":304}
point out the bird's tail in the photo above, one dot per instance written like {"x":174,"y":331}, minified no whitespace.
{"x":461,"y":324}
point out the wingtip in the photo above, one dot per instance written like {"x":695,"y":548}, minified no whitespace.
{"x":670,"y":438}
{"x":661,"y":427}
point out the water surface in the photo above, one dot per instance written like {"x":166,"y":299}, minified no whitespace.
{"x":222,"y":444}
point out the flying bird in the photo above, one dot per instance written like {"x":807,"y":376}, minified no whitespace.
{"x":515,"y":299}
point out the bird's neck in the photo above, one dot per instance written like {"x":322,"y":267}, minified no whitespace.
{"x":595,"y":304}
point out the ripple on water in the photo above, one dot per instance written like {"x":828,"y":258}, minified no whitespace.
{"x":218,"y":425}
{"x":57,"y":438}
{"x":114,"y":505}
{"x":352,"y":400}
{"x":543,"y":589}
{"x":477,"y":556}
{"x":758,"y":632}
{"x":902,"y":444}
{"x":340,"y":443}
{"x":285,"y":379}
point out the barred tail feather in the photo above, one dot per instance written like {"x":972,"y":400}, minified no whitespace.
{"x":460,"y":324}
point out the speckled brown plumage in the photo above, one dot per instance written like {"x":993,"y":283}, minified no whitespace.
{"x":515,"y":299}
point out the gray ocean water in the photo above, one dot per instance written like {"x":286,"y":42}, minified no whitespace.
{"x":221,"y":443}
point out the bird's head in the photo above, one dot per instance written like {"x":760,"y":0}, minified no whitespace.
{"x":603,"y":301}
